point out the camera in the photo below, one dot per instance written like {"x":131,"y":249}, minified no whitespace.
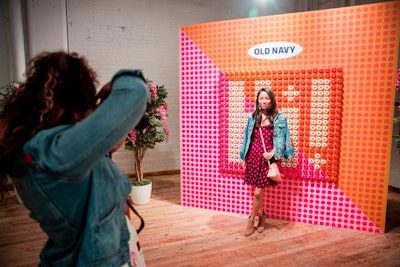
{"x":143,"y":123}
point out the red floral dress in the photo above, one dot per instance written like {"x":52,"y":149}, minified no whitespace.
{"x":256,"y":166}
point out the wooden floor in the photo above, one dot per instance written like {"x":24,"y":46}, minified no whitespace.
{"x":180,"y":236}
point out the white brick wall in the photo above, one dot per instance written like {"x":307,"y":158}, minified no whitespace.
{"x":142,"y":34}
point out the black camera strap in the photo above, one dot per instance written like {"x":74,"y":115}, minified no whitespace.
{"x":130,"y":204}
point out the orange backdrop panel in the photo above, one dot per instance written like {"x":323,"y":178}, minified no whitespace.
{"x":363,"y":41}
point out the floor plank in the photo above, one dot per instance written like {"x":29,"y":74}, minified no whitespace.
{"x":181,"y":236}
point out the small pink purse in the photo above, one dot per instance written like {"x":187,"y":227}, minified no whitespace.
{"x":273,"y":172}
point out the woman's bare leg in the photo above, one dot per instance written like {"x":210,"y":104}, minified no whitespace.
{"x":257,"y":205}
{"x":261,"y":219}
{"x":257,"y":202}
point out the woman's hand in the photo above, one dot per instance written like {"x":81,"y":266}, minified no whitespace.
{"x":269,"y":155}
{"x":244,"y":164}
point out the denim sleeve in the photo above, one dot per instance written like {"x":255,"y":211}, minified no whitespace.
{"x":243,"y":150}
{"x":282,"y":142}
{"x":73,"y":151}
{"x":289,"y":149}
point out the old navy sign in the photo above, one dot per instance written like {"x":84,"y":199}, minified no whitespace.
{"x":275,"y":50}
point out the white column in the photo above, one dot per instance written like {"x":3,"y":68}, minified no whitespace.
{"x":46,"y":26}
{"x":17,"y":40}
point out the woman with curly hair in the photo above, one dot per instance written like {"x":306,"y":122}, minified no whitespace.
{"x":53,"y":145}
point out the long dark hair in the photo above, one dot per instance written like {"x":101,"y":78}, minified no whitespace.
{"x":60,"y":89}
{"x":272,"y":110}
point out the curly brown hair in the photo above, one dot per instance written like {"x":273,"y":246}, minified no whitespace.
{"x":60,"y":89}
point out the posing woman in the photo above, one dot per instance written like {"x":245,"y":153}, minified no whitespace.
{"x":275,"y":132}
{"x":54,"y":143}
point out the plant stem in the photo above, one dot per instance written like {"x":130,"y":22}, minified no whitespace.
{"x":139,"y":156}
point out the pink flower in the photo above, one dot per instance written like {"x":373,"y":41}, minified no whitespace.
{"x":166,"y":131}
{"x":132,"y":137}
{"x":163,"y":112}
{"x":153,"y":90}
{"x":398,"y":81}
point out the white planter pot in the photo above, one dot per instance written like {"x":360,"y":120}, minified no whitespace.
{"x":141,"y":194}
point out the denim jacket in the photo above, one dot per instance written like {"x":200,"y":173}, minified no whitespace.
{"x":281,"y":139}
{"x":74,"y":190}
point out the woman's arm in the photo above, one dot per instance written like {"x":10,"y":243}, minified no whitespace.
{"x":245,"y":144}
{"x":288,"y":143}
{"x":282,"y":143}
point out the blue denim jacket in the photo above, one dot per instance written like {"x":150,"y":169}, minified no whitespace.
{"x":74,"y":190}
{"x":281,"y":139}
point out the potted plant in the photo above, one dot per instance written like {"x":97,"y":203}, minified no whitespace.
{"x":141,"y":139}
{"x":6,"y":90}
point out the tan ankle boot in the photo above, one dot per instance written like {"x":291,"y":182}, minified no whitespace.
{"x":261,"y":224}
{"x":249,"y":228}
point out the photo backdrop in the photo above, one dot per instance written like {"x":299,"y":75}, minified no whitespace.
{"x":333,"y":72}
